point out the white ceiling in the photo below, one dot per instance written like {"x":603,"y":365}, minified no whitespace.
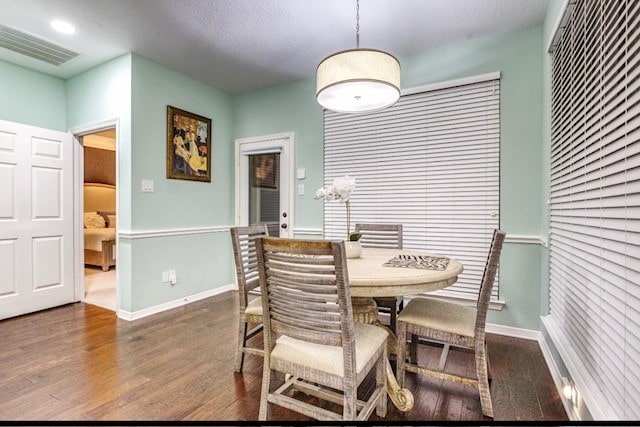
{"x":242,"y":45}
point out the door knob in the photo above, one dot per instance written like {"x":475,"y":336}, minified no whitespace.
{"x":283,"y":225}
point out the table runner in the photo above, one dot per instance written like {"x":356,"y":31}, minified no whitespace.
{"x":423,"y":262}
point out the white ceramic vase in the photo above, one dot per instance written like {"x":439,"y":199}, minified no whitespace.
{"x":353,"y":249}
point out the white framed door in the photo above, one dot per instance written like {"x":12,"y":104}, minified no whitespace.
{"x":36,"y":219}
{"x":264,"y":182}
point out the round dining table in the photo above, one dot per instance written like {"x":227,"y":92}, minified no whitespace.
{"x":370,"y":277}
{"x":407,"y":272}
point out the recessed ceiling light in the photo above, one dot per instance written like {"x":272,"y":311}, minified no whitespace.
{"x":63,"y":27}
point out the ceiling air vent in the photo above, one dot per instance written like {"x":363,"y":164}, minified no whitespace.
{"x":26,"y":44}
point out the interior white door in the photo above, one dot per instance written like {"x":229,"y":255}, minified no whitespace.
{"x":264,"y":178}
{"x":36,"y":219}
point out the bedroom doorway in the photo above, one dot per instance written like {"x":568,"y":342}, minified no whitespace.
{"x":99,"y":167}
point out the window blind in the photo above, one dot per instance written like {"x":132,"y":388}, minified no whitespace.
{"x":431,"y":163}
{"x":595,"y":200}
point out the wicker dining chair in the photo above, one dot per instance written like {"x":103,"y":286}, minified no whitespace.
{"x":244,"y":254}
{"x":384,"y":236}
{"x":310,"y":334}
{"x":453,"y":325}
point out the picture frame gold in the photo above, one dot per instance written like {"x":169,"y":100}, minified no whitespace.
{"x":188,"y":145}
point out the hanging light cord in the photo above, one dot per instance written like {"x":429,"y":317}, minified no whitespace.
{"x":357,"y":24}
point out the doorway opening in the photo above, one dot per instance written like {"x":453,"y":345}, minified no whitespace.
{"x":100,"y":218}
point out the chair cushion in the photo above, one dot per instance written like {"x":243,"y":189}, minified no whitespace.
{"x":254,"y":307}
{"x":368,"y":339}
{"x":440,"y":315}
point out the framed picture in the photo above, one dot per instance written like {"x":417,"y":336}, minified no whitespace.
{"x":265,"y":168}
{"x":188,"y":145}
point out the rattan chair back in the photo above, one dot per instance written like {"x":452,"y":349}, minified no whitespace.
{"x":380,"y":235}
{"x":244,"y":255}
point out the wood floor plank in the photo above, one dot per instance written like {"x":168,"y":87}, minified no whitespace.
{"x":79,"y":362}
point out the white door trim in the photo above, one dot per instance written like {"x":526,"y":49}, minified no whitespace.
{"x":78,"y":200}
{"x":283,"y":142}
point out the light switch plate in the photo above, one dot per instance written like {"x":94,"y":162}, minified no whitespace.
{"x":301,"y":173}
{"x":147,"y":186}
{"x":300,"y":189}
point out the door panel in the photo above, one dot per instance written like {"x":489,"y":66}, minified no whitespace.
{"x":8,"y":276}
{"x":36,"y":219}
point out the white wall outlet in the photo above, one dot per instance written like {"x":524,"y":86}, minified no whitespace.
{"x":173,"y":279}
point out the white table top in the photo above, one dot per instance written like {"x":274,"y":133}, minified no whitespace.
{"x":370,"y":278}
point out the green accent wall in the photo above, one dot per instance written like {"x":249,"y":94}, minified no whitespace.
{"x":99,"y":94}
{"x":202,"y":261}
{"x":32,"y":98}
{"x":518,"y":55}
{"x":289,"y":108}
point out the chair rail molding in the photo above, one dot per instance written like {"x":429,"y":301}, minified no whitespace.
{"x":145,"y":234}
{"x":529,"y":239}
{"x":308,"y":231}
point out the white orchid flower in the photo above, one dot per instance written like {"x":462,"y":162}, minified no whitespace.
{"x":340,"y":189}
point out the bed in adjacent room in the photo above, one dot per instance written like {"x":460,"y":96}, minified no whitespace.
{"x":100,"y":225}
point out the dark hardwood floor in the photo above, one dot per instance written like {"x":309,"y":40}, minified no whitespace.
{"x":79,"y":362}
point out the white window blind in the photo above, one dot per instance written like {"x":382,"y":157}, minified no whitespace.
{"x":431,"y":163}
{"x":595,"y":201}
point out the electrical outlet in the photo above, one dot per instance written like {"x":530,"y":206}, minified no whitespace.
{"x":173,"y":279}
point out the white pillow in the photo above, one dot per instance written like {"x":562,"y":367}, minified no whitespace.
{"x":94,"y":220}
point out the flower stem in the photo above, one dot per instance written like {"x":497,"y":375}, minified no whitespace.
{"x":346,"y":202}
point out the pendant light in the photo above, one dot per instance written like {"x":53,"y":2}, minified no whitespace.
{"x":358,"y":80}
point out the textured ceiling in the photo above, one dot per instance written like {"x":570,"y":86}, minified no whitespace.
{"x":242,"y":45}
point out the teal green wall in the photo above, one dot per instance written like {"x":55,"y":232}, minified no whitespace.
{"x":104,"y":93}
{"x":518,"y":56}
{"x":284,"y":109}
{"x":202,"y":261}
{"x":178,"y":203}
{"x":32,"y":98}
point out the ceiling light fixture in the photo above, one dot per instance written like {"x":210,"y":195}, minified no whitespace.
{"x":358,"y":80}
{"x":63,"y":27}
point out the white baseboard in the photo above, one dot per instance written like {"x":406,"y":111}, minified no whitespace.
{"x":135,"y":315}
{"x":509,"y":331}
{"x":557,"y":379}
